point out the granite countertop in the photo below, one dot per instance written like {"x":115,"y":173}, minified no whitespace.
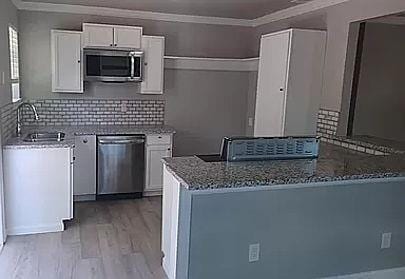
{"x":334,"y":164}
{"x":81,"y":130}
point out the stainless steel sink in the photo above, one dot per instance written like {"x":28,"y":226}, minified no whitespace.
{"x":38,"y":137}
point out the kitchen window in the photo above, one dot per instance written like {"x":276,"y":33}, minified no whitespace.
{"x":14,"y":63}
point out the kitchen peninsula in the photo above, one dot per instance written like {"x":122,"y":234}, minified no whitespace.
{"x":321,"y":216}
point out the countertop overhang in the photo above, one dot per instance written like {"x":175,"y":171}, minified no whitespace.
{"x":334,"y":164}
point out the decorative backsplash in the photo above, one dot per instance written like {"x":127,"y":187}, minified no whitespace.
{"x":9,"y":120}
{"x":53,"y":112}
{"x":327,"y":123}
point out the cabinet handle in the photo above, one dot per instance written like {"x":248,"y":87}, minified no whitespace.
{"x":169,"y":149}
{"x":111,"y":44}
{"x":85,"y":141}
{"x":146,"y":64}
{"x":115,"y":45}
{"x":78,"y":61}
{"x":159,"y":137}
{"x":281,"y":89}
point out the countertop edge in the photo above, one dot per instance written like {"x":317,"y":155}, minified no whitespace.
{"x":286,"y":184}
{"x":72,"y":131}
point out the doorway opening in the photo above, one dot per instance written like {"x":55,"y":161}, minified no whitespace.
{"x":376,"y":111}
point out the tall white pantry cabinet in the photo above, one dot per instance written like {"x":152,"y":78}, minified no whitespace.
{"x":289,"y":83}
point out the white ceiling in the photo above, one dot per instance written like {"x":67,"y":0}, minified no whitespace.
{"x":241,"y":9}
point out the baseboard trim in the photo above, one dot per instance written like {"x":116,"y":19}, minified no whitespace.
{"x":393,"y":273}
{"x":153,"y":193}
{"x":80,"y":198}
{"x":57,"y":227}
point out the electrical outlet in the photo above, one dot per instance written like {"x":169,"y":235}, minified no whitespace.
{"x":386,"y":240}
{"x":254,"y":252}
{"x":250,"y":121}
{"x":124,"y":107}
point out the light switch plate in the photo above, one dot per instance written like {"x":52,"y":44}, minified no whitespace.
{"x":254,"y":252}
{"x":386,"y":240}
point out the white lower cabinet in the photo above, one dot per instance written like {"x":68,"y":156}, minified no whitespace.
{"x":170,"y":223}
{"x":157,"y":148}
{"x":85,"y":168}
{"x":38,"y":184}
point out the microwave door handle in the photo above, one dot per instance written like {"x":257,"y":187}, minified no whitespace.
{"x":132,"y":66}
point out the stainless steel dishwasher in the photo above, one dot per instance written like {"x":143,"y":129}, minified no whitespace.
{"x":120,"y":166}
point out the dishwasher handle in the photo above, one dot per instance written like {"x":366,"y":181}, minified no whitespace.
{"x":124,"y":141}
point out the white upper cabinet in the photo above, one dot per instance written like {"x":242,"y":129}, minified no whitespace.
{"x":289,"y":83}
{"x":153,"y":75}
{"x":96,"y":35}
{"x":66,"y":61}
{"x":102,"y":35}
{"x":127,"y":37}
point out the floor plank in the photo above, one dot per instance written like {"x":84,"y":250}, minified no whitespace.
{"x":107,"y":239}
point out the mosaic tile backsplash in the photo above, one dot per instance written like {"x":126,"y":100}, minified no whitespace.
{"x":54,"y":112}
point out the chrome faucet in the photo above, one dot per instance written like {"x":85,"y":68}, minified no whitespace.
{"x":19,"y":110}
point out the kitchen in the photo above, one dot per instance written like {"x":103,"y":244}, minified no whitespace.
{"x":185,"y":86}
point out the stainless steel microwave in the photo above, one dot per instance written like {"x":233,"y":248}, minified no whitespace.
{"x":113,"y":65}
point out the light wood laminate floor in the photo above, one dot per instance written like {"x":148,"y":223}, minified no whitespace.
{"x":107,"y":239}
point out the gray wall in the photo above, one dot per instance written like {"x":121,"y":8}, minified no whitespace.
{"x":203,"y":106}
{"x":381,"y":94}
{"x":182,"y":39}
{"x":339,"y":18}
{"x":316,"y":20}
{"x":251,"y":103}
{"x":8,"y":15}
{"x":303,"y":233}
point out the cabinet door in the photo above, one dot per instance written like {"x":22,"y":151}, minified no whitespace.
{"x":154,"y":48}
{"x":66,"y":62}
{"x":127,"y":37}
{"x":154,"y":166}
{"x":38,"y":197}
{"x":272,"y":85}
{"x":85,"y":166}
{"x":98,"y":35}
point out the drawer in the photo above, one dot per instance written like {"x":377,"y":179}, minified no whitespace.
{"x":158,"y":139}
